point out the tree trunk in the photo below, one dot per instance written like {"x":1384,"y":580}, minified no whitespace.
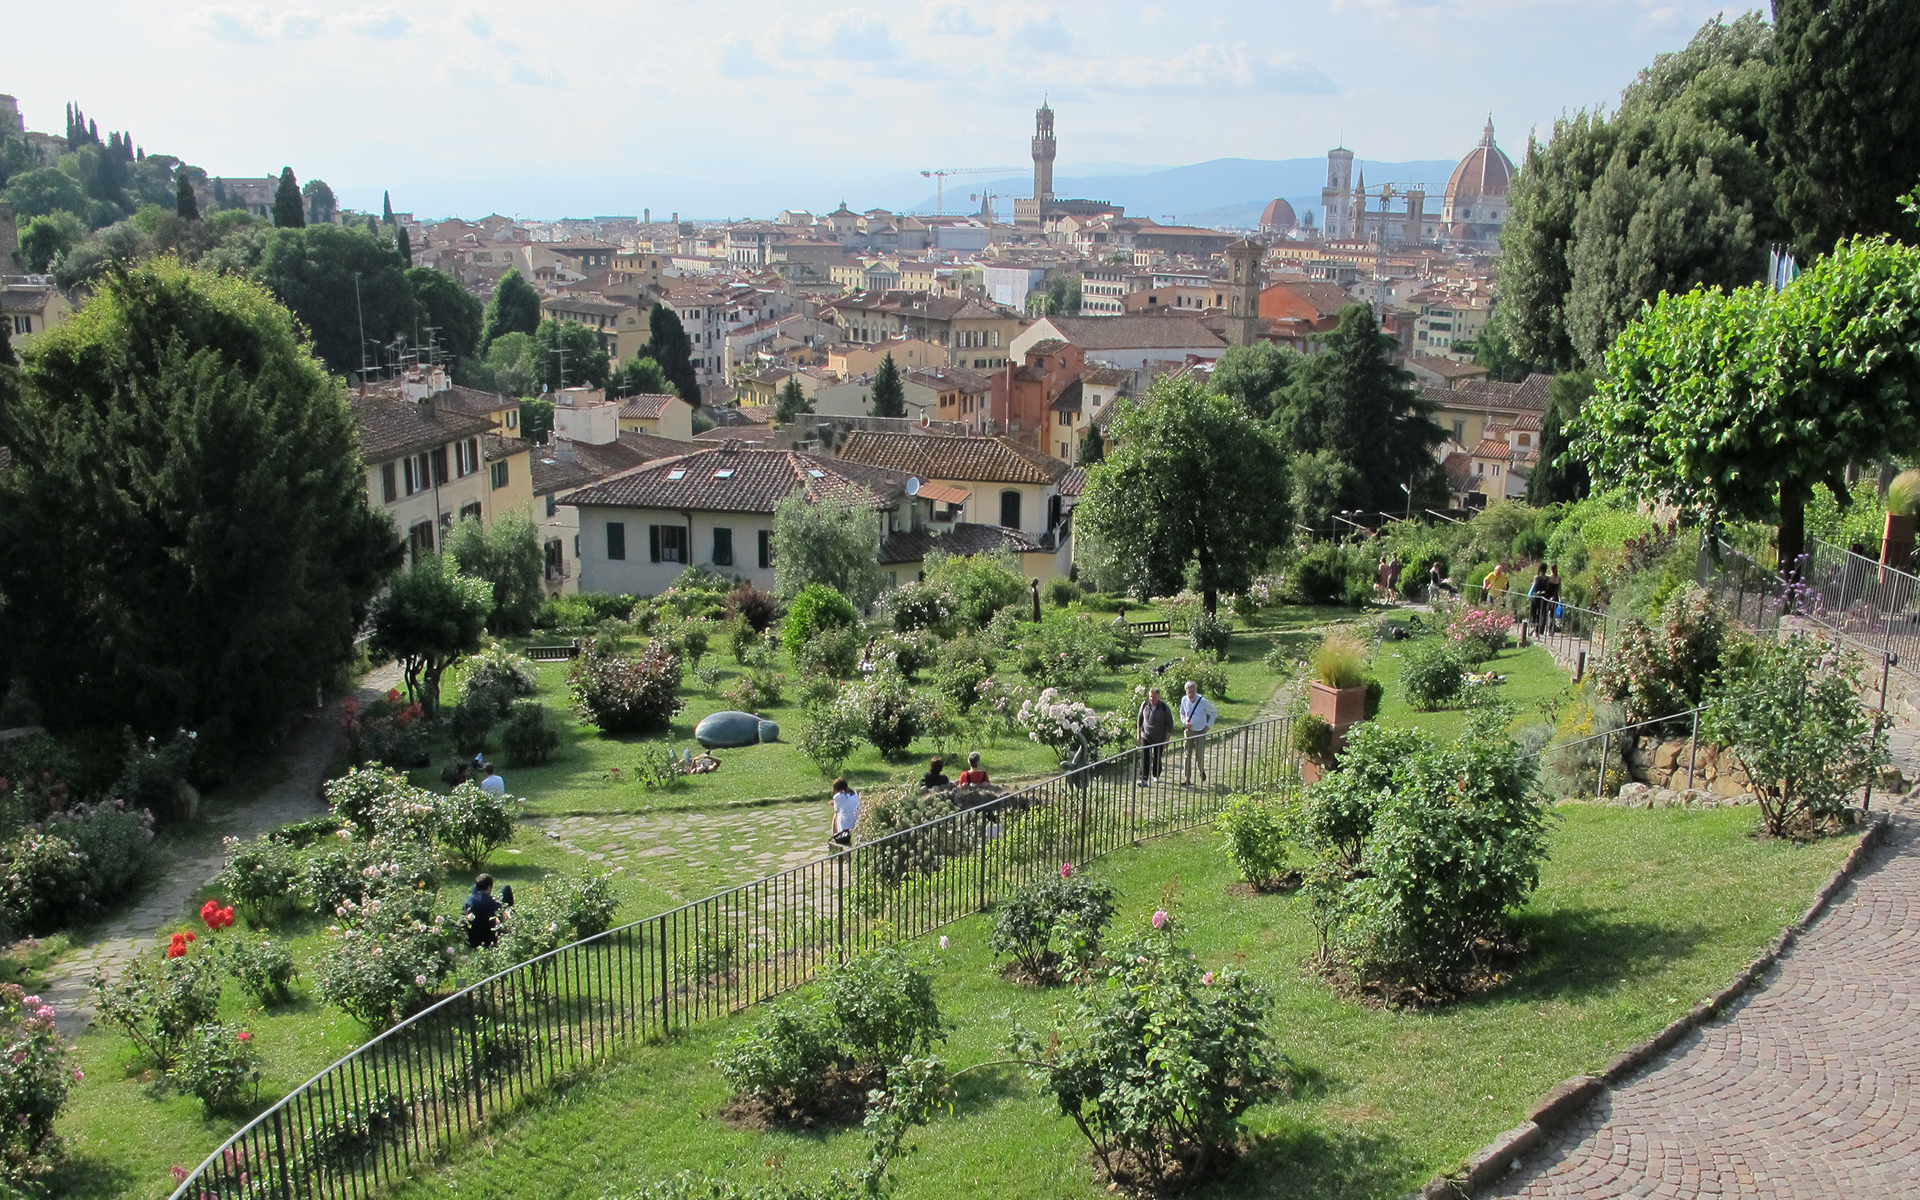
{"x":1793,"y":528}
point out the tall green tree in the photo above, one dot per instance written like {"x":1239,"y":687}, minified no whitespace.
{"x":1559,"y":476}
{"x":1093,"y":447}
{"x":536,"y":418}
{"x":669,"y":345}
{"x":46,"y":238}
{"x":313,"y":271}
{"x":1189,"y":485}
{"x":1735,"y":404}
{"x":1352,"y":402}
{"x":1256,"y":375}
{"x":515,"y":308}
{"x":512,"y":366}
{"x":1842,"y":113}
{"x":569,"y":355}
{"x":46,"y":190}
{"x":185,"y":205}
{"x":508,"y":556}
{"x":403,"y":245}
{"x":641,"y":376}
{"x":321,"y":205}
{"x":386,"y":208}
{"x":428,"y":619}
{"x":889,"y":394}
{"x":289,"y":211}
{"x":449,"y":309}
{"x":791,"y":403}
{"x":185,"y":537}
{"x":832,"y":542}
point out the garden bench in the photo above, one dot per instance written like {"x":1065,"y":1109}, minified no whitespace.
{"x":1147,"y":629}
{"x":553,"y":653}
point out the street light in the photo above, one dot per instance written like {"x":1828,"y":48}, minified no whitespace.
{"x":1407,"y":487}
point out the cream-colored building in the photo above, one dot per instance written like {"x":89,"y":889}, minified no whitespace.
{"x":661,"y":415}
{"x":564,"y":466}
{"x":30,"y":305}
{"x":428,"y":467}
{"x":851,"y":360}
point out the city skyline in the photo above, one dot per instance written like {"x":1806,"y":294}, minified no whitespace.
{"x":741,"y":109}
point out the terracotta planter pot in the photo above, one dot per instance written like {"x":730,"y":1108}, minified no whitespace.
{"x":1896,"y":545}
{"x":1338,"y":707}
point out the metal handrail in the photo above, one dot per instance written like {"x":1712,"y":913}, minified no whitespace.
{"x":405,"y":1095}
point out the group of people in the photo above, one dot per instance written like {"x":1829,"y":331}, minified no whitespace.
{"x":1543,"y":594}
{"x":1154,"y":728}
{"x":846,"y":801}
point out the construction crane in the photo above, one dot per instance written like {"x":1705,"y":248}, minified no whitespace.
{"x":939,"y":177}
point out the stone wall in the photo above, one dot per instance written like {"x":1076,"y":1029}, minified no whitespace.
{"x":1662,"y":763}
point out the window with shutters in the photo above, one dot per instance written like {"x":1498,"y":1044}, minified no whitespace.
{"x":766,"y":549}
{"x":616,"y":541}
{"x":439,"y":460}
{"x":553,"y":504}
{"x":500,"y":474}
{"x":723,"y":547}
{"x":667,"y":543}
{"x":465,"y":458}
{"x":1010,"y":509}
{"x":470,"y":511}
{"x":420,"y":539}
{"x":389,"y":488}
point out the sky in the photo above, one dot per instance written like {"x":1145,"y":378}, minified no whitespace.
{"x":728,"y":108}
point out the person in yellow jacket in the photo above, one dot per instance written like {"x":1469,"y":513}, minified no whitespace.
{"x":1494,"y":586}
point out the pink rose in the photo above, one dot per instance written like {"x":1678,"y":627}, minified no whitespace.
{"x":244,"y":1036}
{"x":1160,"y":918}
{"x":1066,"y":870}
{"x":1207,"y":979}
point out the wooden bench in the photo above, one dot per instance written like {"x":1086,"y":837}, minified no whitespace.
{"x":553,"y":653}
{"x":1147,"y":629}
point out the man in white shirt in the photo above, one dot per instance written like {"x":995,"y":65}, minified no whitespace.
{"x":492,"y":782}
{"x":846,"y":811}
{"x":1197,"y":715}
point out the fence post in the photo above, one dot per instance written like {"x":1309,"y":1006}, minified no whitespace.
{"x":840,"y":900}
{"x":280,"y":1155}
{"x":1580,"y":667}
{"x":1600,"y":781}
{"x":1693,"y":748}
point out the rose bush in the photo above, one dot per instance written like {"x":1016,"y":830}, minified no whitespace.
{"x":383,"y":961}
{"x":36,"y":1075}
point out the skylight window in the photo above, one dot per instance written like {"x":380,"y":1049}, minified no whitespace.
{"x":677,"y":473}
{"x":724,"y":473}
{"x":817,"y":473}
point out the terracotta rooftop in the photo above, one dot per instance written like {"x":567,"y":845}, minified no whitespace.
{"x":647,"y":406}
{"x":390,"y":429}
{"x":730,"y":478}
{"x":1136,"y":333}
{"x":942,"y":456}
{"x":962,"y":537}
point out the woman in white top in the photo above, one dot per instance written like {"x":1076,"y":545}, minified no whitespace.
{"x":846,"y":810}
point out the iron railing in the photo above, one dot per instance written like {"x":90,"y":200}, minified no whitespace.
{"x":406,"y":1096}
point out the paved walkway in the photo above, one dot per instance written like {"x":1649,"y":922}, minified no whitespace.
{"x":1810,"y":1088}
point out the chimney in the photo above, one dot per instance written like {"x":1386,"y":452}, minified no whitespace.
{"x":563,"y":450}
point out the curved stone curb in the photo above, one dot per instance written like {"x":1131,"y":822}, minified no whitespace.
{"x":1570,"y":1098}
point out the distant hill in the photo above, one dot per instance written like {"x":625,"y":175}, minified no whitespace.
{"x":1225,"y":192}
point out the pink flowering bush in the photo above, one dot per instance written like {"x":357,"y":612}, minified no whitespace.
{"x":383,"y":960}
{"x":1658,"y":668}
{"x":36,"y":1073}
{"x":1481,"y":632}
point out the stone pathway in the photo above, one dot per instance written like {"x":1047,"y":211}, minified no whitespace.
{"x":738,"y":844}
{"x":1810,"y":1088}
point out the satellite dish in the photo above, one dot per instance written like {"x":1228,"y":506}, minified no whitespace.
{"x":913,"y":485}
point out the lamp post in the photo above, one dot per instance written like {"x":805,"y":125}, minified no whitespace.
{"x":1407,"y":487}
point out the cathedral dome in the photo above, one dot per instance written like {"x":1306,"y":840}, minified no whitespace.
{"x":1482,"y":174}
{"x":1278,"y":216}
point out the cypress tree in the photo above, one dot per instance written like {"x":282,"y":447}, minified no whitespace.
{"x":184,"y":204}
{"x":1553,"y":482}
{"x":405,"y":247}
{"x":219,"y":193}
{"x":288,"y":210}
{"x":1843,"y":117}
{"x":791,"y":403}
{"x":889,"y":395}
{"x":386,"y":208}
{"x":669,"y":345}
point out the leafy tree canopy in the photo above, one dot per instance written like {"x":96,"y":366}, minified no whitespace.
{"x":1256,"y":375}
{"x":669,"y":345}
{"x":1188,"y":483}
{"x":427,"y":619}
{"x":791,"y":403}
{"x":509,"y":557}
{"x":515,"y":308}
{"x":835,"y":544}
{"x":641,"y":377}
{"x":187,"y":541}
{"x":447,"y":308}
{"x":313,"y":271}
{"x":569,"y":355}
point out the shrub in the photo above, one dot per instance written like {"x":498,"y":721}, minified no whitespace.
{"x":833,"y":651}
{"x":1158,"y":1062}
{"x":73,"y":865}
{"x":621,"y":694}
{"x":1792,"y":713}
{"x":691,"y":638}
{"x":1340,"y":661}
{"x":1312,"y":738}
{"x":473,"y":822}
{"x":1479,"y":631}
{"x":158,"y":776}
{"x":1433,"y":672}
{"x":1172,"y":678}
{"x":872,"y":1011}
{"x":263,"y":968}
{"x":814,"y":608}
{"x":1398,"y":904}
{"x":755,"y":691}
{"x":981,"y":585}
{"x":1062,"y":592}
{"x":1414,"y":579}
{"x":1258,"y":834}
{"x":36,"y":1074}
{"x":259,"y":876}
{"x":216,"y":1064}
{"x":657,"y":770}
{"x":157,"y":1002}
{"x":907,"y":653}
{"x":381,"y":803}
{"x":347,"y":872}
{"x":1067,"y":910}
{"x":564,"y":910}
{"x":383,"y":962}
{"x":753,"y":607}
{"x":964,"y":665}
{"x":829,"y":731}
{"x":471,"y":722}
{"x":497,"y":669}
{"x":1066,"y":651}
{"x":586,"y":903}
{"x":387,"y":732}
{"x":1072,"y":729}
{"x":1209,"y":634}
{"x":1661,"y":668}
{"x":530,"y":735}
{"x":1320,"y":575}
{"x":923,"y":604}
{"x":887,"y":711}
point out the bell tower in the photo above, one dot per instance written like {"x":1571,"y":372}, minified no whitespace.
{"x":1244,"y":283}
{"x":1043,"y":152}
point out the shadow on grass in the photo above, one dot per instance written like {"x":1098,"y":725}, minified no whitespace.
{"x":89,"y":1179}
{"x":1300,"y":1160}
{"x":1582,"y":952}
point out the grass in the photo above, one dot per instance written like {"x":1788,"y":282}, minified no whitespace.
{"x":1536,"y":686}
{"x":1639,"y":915}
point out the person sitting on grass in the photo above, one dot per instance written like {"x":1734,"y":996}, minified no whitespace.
{"x":973,"y":776}
{"x":936,"y":776}
{"x":492,"y":782}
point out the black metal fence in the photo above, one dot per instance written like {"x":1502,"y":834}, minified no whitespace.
{"x":403,"y":1098}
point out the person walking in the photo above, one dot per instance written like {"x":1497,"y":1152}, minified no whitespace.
{"x":492,"y":782}
{"x":1394,"y":568}
{"x":482,"y":914}
{"x":1154,"y":727}
{"x":1552,"y":605}
{"x":846,"y":810}
{"x":1537,"y":598}
{"x":973,"y":776}
{"x":1494,"y":586}
{"x":1197,"y":715}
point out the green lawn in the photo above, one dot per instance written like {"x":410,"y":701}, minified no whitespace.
{"x":1535,"y":685}
{"x":1640,"y":914}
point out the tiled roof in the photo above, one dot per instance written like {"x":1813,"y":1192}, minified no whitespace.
{"x":1136,"y":333}
{"x":1069,"y":398}
{"x":392,"y":428}
{"x":1326,"y":299}
{"x":1106,"y":376}
{"x":25,"y":298}
{"x":940,"y":456}
{"x":647,"y":406}
{"x":1046,"y":346}
{"x":591,"y":462}
{"x":1493,"y":448}
{"x":962,"y":537}
{"x":729,"y":479}
{"x":498,"y":447}
{"x":1074,"y":482}
{"x":1446,"y":368}
{"x":473,"y":402}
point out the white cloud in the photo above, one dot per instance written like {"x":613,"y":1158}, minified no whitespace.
{"x":476,"y":24}
{"x":1209,"y":69}
{"x":382,"y":23}
{"x":535,"y":72}
{"x":256,"y":26}
{"x":856,"y":37}
{"x":735,"y":57}
{"x":955,"y":19}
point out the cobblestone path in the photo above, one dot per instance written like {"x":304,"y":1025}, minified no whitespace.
{"x":1810,"y":1088}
